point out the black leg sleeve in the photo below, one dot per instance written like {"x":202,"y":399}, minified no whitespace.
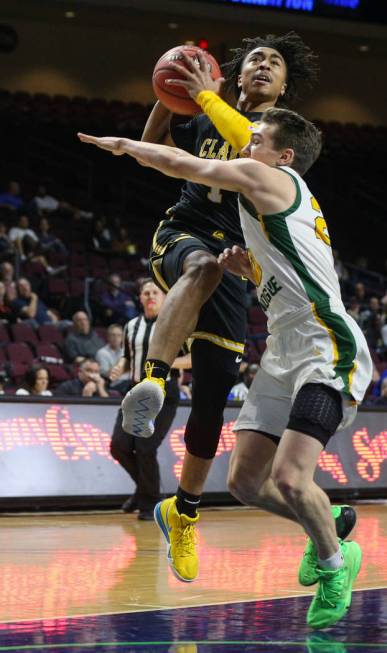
{"x":214,"y":372}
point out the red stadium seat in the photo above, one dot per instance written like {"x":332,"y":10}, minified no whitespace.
{"x":48,"y":350}
{"x":77,"y":288}
{"x":4,"y":335}
{"x":24,"y":333}
{"x":58,"y":373}
{"x":58,"y":287}
{"x":77,"y":272}
{"x":49,"y":333}
{"x":19,"y":352}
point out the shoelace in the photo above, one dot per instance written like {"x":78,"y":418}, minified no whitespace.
{"x":154,"y":379}
{"x":330,"y":588}
{"x":186,"y":540}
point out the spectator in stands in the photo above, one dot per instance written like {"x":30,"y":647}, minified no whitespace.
{"x":89,"y":382}
{"x":7,"y":276}
{"x":6,"y":312}
{"x":22,"y":237}
{"x":82,"y":342}
{"x":36,"y":382}
{"x":123,"y":243}
{"x":4,"y":378}
{"x":383,"y":300}
{"x":101,"y":239}
{"x":371,"y":322}
{"x":354,"y":309}
{"x":6,"y":247}
{"x":384,"y":327}
{"x":48,"y":242}
{"x":381,"y":400}
{"x":342,"y":273}
{"x":12,"y":198}
{"x":109,"y":355}
{"x":340,"y":268}
{"x":29,"y":307}
{"x":240,"y":390}
{"x":360,"y":295}
{"x":117,"y":305}
{"x":43,"y":203}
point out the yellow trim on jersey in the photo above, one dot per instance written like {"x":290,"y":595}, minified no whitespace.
{"x":238,"y":347}
{"x":330,"y":333}
{"x":234,"y":127}
{"x":350,"y":376}
{"x":261,"y":219}
{"x":162,"y":283}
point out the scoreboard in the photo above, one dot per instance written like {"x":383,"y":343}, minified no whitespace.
{"x":356,"y":10}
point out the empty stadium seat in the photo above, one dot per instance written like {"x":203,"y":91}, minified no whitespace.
{"x":24,"y":333}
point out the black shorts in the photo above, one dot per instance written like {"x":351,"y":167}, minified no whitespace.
{"x":223,"y":318}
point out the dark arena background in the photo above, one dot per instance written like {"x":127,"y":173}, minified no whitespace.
{"x":77,"y":573}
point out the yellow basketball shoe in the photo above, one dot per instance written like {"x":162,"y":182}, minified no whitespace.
{"x":142,"y":404}
{"x":179,"y":532}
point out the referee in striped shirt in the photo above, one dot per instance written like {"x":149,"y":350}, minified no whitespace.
{"x":138,"y":456}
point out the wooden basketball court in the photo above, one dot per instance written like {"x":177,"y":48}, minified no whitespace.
{"x":57,"y":566}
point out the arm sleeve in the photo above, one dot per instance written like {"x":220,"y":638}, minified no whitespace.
{"x":234,"y":127}
{"x":184,"y":135}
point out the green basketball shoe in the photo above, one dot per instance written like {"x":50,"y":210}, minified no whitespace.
{"x":345,"y":518}
{"x":334,"y":592}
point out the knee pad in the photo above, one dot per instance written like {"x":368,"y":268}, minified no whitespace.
{"x":316,"y":411}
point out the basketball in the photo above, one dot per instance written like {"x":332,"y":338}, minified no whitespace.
{"x":176,"y":98}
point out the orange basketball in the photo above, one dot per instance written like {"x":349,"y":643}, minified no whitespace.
{"x":176,"y":98}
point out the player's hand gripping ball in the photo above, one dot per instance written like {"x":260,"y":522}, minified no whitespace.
{"x":173,"y":97}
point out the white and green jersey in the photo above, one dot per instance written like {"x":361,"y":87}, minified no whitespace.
{"x":291,"y":256}
{"x":292,"y":260}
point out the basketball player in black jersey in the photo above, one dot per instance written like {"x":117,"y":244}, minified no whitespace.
{"x":204,"y":302}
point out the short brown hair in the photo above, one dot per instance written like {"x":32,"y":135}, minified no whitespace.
{"x":297,"y":133}
{"x":143,"y":283}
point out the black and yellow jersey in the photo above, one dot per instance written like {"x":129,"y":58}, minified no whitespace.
{"x":202,"y":210}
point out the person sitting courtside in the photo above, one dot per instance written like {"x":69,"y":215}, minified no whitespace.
{"x":89,"y":382}
{"x":82,"y":342}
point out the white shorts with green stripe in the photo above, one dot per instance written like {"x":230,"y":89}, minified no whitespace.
{"x":323,"y":347}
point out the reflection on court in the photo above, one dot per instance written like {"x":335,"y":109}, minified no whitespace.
{"x":55,"y":567}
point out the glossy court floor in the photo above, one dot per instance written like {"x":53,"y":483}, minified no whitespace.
{"x":100,"y":582}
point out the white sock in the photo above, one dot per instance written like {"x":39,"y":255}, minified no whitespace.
{"x":334,"y":562}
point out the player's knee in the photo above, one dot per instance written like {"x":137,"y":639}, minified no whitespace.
{"x":203,"y":270}
{"x":289,"y":482}
{"x":243,"y":484}
{"x":203,"y":431}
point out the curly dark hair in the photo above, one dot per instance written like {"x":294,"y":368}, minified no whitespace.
{"x":301,"y":62}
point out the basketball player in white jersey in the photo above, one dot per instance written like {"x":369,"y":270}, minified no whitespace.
{"x":317,"y":366}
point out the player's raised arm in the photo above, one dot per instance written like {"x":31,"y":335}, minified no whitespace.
{"x":240,"y":175}
{"x":157,"y":128}
{"x":199,"y":84}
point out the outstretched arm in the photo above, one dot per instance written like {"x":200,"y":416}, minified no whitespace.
{"x":239,"y":175}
